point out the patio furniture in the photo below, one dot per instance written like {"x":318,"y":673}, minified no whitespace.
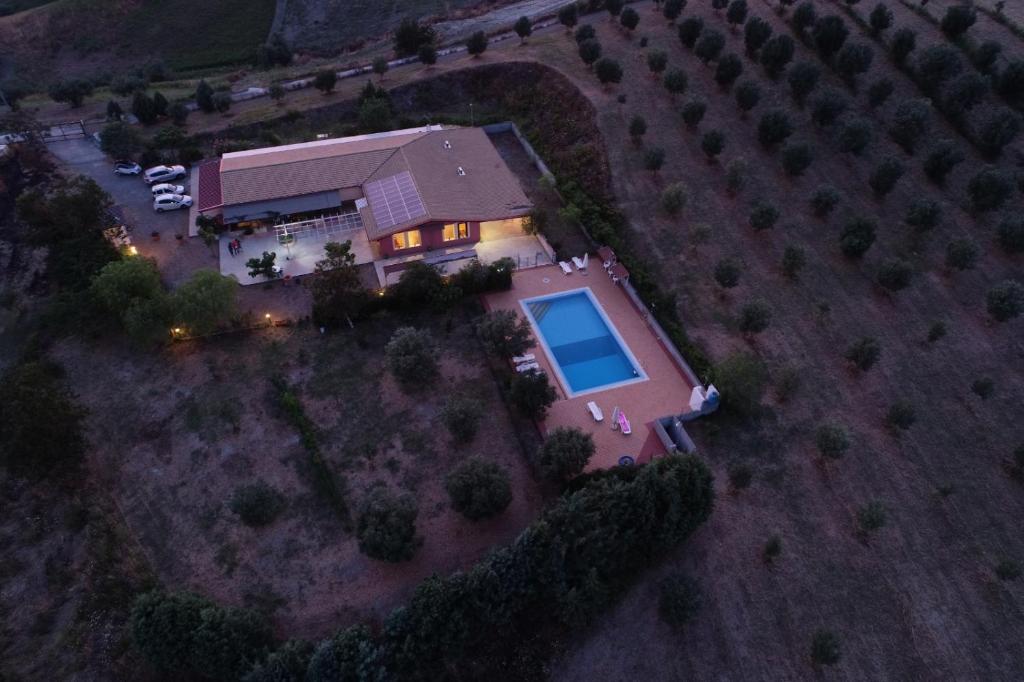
{"x":595,"y":411}
{"x":578,"y":262}
{"x":566,"y":268}
{"x":520,"y":359}
{"x":607,"y":257}
{"x":624,"y":424}
{"x":528,"y":367}
{"x":618,"y":272}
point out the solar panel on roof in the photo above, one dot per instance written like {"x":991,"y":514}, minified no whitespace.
{"x":394,"y":200}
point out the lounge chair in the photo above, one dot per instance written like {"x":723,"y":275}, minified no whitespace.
{"x":520,"y":359}
{"x":624,"y":424}
{"x":528,"y":367}
{"x":566,"y":268}
{"x":578,"y":262}
{"x":595,"y":411}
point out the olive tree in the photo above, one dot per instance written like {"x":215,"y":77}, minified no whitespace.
{"x":565,"y":453}
{"x":411,"y":356}
{"x":386,"y":526}
{"x":478,"y":488}
{"x":1005,"y":300}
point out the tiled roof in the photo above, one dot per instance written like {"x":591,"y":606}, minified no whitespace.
{"x":209,"y":185}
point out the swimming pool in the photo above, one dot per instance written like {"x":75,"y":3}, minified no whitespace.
{"x":583,"y":345}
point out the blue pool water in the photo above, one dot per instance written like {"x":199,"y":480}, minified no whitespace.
{"x":581,"y":341}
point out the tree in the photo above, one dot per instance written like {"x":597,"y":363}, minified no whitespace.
{"x":590,"y":51}
{"x":910,"y":122}
{"x":276,"y":92}
{"x":679,"y":600}
{"x":523,"y":29}
{"x":386,"y":526}
{"x":735,"y":176}
{"x":411,"y":356}
{"x":754,"y":318}
{"x":985,"y":56}
{"x":143,"y":108}
{"x":879,"y":92}
{"x":478,"y":489}
{"x":504,"y":334}
{"x":794,"y":258}
{"x":829,"y":34}
{"x":72,"y":92}
{"x":629,"y":18}
{"x":1010,"y":84}
{"x":825,"y":648}
{"x":998,"y":129}
{"x":748,"y":94}
{"x":531,"y":393}
{"x":853,"y":60}
{"x":901,"y":416}
{"x":375,"y":114}
{"x":742,"y":379}
{"x":776,"y":54}
{"x":894,"y":274}
{"x":222,"y":102}
{"x":1007,"y":570}
{"x":772,"y":549}
{"x":803,"y":78}
{"x":958,"y":19}
{"x":637,"y":128}
{"x":804,"y":17}
{"x":857,"y":237}
{"x":120,"y":140}
{"x":828,"y":106}
{"x":903,"y":42}
{"x":673,"y":198}
{"x":672,"y":9}
{"x":204,"y":97}
{"x":256,"y":504}
{"x":273,"y":52}
{"x":755,"y":34}
{"x":763,"y":216}
{"x":712,"y":144}
{"x":727,"y":273}
{"x":324,"y":81}
{"x":338,"y":294}
{"x":989,"y":189}
{"x":160,"y":103}
{"x":885,"y":176}
{"x":565,"y":453}
{"x":657,"y":60}
{"x":41,"y":426}
{"x":863,"y":353}
{"x":871,"y":516}
{"x":690,"y":30}
{"x":1005,"y":300}
{"x":1011,"y":234}
{"x":961,"y":254}
{"x":654,"y":158}
{"x":568,"y":16}
{"x":880,"y":18}
{"x":796,"y":157}
{"x":427,"y":54}
{"x":114,"y":111}
{"x":350,"y":655}
{"x":730,"y":67}
{"x":923,"y":214}
{"x":608,"y":71}
{"x":675,"y":81}
{"x":709,"y":46}
{"x":477,"y":44}
{"x":824,"y":199}
{"x":614,"y":7}
{"x":832,"y":440}
{"x":737,"y":12}
{"x":855,"y":135}
{"x":693,"y":112}
{"x":942,"y":159}
{"x":936,"y":65}
{"x":774,"y":128}
{"x":410,"y":36}
{"x":380,"y":66}
{"x":125,"y":283}
{"x":206,"y":301}
{"x":461,"y":417}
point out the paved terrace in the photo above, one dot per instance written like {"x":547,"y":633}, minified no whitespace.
{"x":665,"y":392}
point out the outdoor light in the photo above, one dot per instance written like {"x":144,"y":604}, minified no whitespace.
{"x":267,"y":316}
{"x":133,"y":251}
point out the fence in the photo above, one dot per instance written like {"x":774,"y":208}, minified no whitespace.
{"x":324,"y":226}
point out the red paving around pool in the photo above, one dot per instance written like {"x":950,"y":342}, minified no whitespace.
{"x":665,"y":392}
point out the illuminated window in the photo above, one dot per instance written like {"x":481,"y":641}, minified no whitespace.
{"x":406,"y":240}
{"x":453,"y":231}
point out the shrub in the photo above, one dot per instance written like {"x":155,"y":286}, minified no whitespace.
{"x":72,"y":92}
{"x":324,"y":81}
{"x":565,"y":453}
{"x":880,"y":18}
{"x":936,"y":65}
{"x":804,"y":16}
{"x":730,"y":67}
{"x":1010,"y":84}
{"x":120,"y":140}
{"x":989,"y":189}
{"x":936,"y":331}
{"x":693,"y":112}
{"x":690,"y":30}
{"x":942,"y":159}
{"x":763,"y":216}
{"x":983,"y":388}
{"x":857,"y":237}
{"x":590,"y":51}
{"x":828,"y":106}
{"x":985,"y":56}
{"x":410,"y":36}
{"x":712,"y":143}
{"x":903,"y":43}
{"x":853,"y":60}
{"x":735,"y":176}
{"x":910,"y":122}
{"x":477,"y":44}
{"x":803,"y":78}
{"x":871,"y":516}
{"x":737,"y":12}
{"x":879,"y":92}
{"x":727,"y":273}
{"x":523,"y":28}
{"x":824,"y":200}
{"x":774,"y":127}
{"x":614,"y":7}
{"x":998,"y":129}
{"x":680,"y":600}
{"x":776,"y":54}
{"x":923,"y":214}
{"x":386,"y":526}
{"x":754,"y":317}
{"x":531,"y":393}
{"x":672,"y":9}
{"x":410,"y":355}
{"x":709,"y":46}
{"x":832,"y":440}
{"x":657,"y":60}
{"x":772,"y":549}
{"x":894,"y":274}
{"x":855,"y":135}
{"x":629,"y":18}
{"x":461,"y":416}
{"x":863,"y":353}
{"x":568,"y":16}
{"x":504,"y":334}
{"x":427,"y":54}
{"x":825,"y":648}
{"x":675,"y":81}
{"x":755,"y":34}
{"x":830,"y":35}
{"x":1011,"y":234}
{"x":1005,"y":300}
{"x":741,"y":378}
{"x":957,"y":20}
{"x":1008,"y":570}
{"x":608,"y":71}
{"x":204,"y":97}
{"x":961,"y":254}
{"x":748,"y":94}
{"x":478,"y":489}
{"x":885,"y":176}
{"x":794,"y":258}
{"x":673,"y":198}
{"x":257,"y":504}
{"x":637,"y":128}
{"x":796,"y":158}
{"x":964,"y":93}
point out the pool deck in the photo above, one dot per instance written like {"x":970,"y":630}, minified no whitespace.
{"x":666,"y":391}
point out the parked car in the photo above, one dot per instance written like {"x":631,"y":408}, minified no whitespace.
{"x":167,"y":188}
{"x":171,"y":202}
{"x":127,"y":168}
{"x":163,"y":174}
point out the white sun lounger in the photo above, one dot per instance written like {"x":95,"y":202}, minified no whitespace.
{"x":528,"y":367}
{"x":578,"y":262}
{"x":566,"y":268}
{"x":520,"y":359}
{"x":595,"y":411}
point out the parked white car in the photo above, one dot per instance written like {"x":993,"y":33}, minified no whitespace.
{"x":171,"y":202}
{"x":127,"y":168}
{"x":163,"y":174}
{"x":166,"y":188}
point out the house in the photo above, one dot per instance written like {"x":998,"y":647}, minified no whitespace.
{"x":409,"y":191}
